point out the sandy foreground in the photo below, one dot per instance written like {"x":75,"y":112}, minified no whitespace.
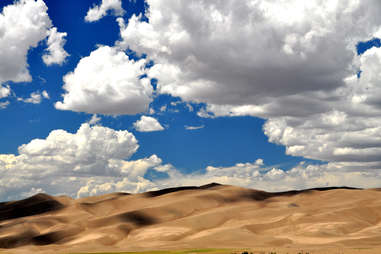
{"x":332,"y":220}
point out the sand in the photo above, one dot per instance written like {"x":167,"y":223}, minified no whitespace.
{"x":331,"y":220}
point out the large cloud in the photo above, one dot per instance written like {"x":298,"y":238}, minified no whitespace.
{"x":89,"y":150}
{"x":251,"y":175}
{"x":247,"y":52}
{"x":258,"y":176}
{"x":348,"y":130}
{"x":107,"y":82}
{"x":95,"y":160}
{"x":293,"y":63}
{"x":63,"y":162}
{"x":91,"y":161}
{"x":22,"y":26}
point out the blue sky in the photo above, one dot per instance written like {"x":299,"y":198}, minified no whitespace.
{"x":247,"y":97}
{"x":206,"y":146}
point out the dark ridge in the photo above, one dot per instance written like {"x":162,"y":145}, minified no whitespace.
{"x":335,"y":188}
{"x":210,"y":185}
{"x":122,"y":193}
{"x":296,"y":192}
{"x":262,"y":195}
{"x":175,"y":189}
{"x":255,"y":194}
{"x":89,"y":204}
{"x":16,"y":240}
{"x":152,"y":194}
{"x":37,"y":204}
{"x":138,"y":218}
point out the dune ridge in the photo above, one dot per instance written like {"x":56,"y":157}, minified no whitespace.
{"x":208,"y":216}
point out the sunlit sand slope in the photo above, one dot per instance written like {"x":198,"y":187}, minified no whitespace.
{"x":210,"y":216}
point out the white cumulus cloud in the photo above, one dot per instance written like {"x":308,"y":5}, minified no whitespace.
{"x":148,"y":124}
{"x":253,"y":175}
{"x":97,"y":12}
{"x":292,"y":63}
{"x":107,"y":82}
{"x":347,"y":129}
{"x":23,"y":25}
{"x":63,"y":160}
{"x":250,"y":52}
{"x":56,"y":53}
{"x":5,"y":91}
{"x":95,"y":160}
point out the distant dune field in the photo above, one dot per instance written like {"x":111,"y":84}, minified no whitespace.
{"x":331,"y":220}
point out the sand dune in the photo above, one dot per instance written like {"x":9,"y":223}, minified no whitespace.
{"x":210,"y":216}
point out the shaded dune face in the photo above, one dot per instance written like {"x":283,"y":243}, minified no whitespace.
{"x":170,"y":190}
{"x":208,"y":216}
{"x":38,"y":204}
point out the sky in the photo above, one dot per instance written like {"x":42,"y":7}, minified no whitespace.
{"x":100,"y":96}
